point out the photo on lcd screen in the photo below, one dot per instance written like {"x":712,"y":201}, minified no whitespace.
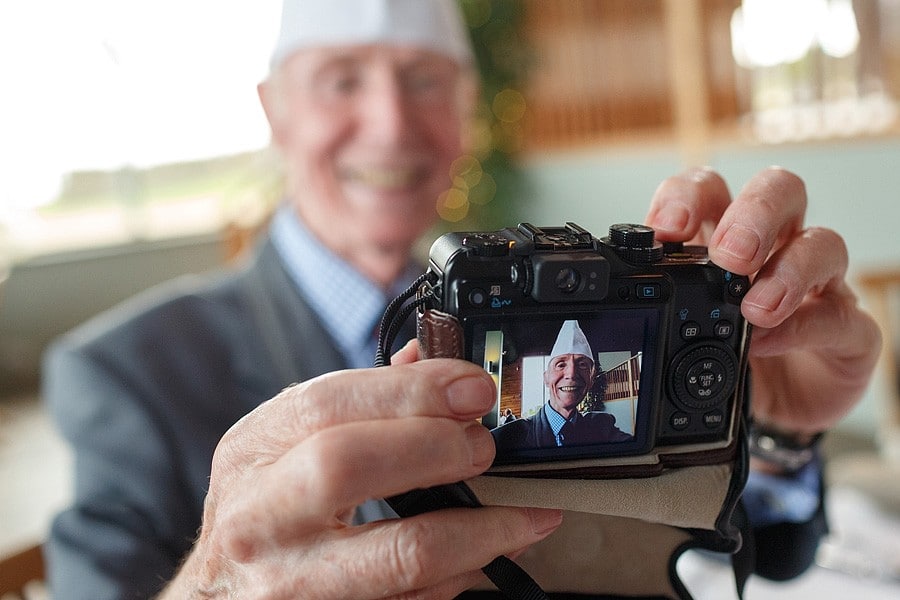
{"x":566,"y":382}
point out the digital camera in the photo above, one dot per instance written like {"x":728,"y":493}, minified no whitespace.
{"x":621,"y":353}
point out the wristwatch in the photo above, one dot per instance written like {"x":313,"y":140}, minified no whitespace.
{"x":788,"y":452}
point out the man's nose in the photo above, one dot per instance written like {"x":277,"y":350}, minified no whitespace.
{"x":389,"y":118}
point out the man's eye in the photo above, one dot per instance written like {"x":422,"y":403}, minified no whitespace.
{"x":421,"y":82}
{"x":338,"y":84}
{"x":428,"y":83}
{"x":345,"y":85}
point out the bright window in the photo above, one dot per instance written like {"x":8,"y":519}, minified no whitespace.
{"x":103,"y":98}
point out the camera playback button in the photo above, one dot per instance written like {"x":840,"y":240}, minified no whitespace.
{"x":647,"y":291}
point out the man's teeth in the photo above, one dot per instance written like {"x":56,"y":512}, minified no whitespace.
{"x":384,"y":177}
{"x":568,"y":388}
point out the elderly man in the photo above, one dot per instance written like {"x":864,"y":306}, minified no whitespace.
{"x":173,"y":402}
{"x":569,"y":377}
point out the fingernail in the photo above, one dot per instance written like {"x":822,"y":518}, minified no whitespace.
{"x":481,"y":445}
{"x":470,"y":395}
{"x":740,"y":242}
{"x":767,"y":294}
{"x":544,"y":520}
{"x":672,"y":217}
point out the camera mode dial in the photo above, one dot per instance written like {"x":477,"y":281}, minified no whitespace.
{"x":631,"y":235}
{"x":635,"y":243}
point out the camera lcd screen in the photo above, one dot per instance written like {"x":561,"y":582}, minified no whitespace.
{"x":569,"y":386}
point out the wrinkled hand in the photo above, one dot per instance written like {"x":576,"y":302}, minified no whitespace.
{"x":286,"y":478}
{"x":813,"y":350}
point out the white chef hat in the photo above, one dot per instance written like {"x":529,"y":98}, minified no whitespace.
{"x":571,"y":340}
{"x":432,"y":24}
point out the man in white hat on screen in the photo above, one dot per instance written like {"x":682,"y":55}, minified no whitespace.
{"x":173,"y":403}
{"x":569,"y":377}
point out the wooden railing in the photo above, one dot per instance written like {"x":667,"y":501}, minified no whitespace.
{"x":622,"y":380}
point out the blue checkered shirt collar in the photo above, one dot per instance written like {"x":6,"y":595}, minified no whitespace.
{"x":349,"y":305}
{"x":557,"y":421}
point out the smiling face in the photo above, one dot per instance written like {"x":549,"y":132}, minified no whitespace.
{"x":368,"y":134}
{"x":568,"y":377}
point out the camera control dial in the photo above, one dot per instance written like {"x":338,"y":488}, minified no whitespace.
{"x":704,"y":376}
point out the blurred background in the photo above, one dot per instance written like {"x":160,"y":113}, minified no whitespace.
{"x":133,"y":150}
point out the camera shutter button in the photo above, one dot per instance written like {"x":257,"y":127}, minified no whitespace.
{"x":673,"y":248}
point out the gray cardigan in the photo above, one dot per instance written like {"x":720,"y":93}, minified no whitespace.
{"x":143,"y":394}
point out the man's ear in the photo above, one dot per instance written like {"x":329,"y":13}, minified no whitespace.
{"x":274,"y":109}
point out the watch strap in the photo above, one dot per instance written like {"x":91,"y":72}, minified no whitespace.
{"x":788,"y":452}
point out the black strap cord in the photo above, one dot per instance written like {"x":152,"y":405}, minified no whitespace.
{"x":394,"y":316}
{"x":512,"y":581}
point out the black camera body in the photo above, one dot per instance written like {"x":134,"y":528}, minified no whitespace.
{"x":663,"y":324}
